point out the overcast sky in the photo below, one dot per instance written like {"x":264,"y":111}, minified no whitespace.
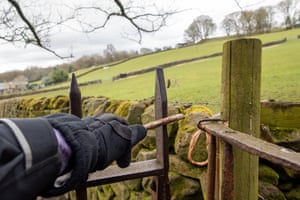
{"x":79,"y":44}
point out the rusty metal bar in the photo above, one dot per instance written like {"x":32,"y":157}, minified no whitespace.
{"x":217,"y":180}
{"x":211,"y":169}
{"x":227,"y":173}
{"x":163,"y":121}
{"x":271,"y":152}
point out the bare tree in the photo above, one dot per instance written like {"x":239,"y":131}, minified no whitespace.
{"x":110,"y":52}
{"x":261,"y":20}
{"x":270,"y":17}
{"x":200,"y":29}
{"x":32,"y":22}
{"x":231,"y":23}
{"x":228,"y":25}
{"x":289,"y":10}
{"x":248,"y":22}
{"x":191,"y":34}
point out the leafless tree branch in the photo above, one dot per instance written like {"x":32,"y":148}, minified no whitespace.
{"x":138,"y":18}
{"x":26,"y":21}
{"x":238,"y":4}
{"x":25,"y":30}
{"x":17,"y":25}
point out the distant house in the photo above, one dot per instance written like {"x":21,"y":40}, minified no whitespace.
{"x":18,"y":84}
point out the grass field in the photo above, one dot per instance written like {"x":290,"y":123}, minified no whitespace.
{"x":200,"y":81}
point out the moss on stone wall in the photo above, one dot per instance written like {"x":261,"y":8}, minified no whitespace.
{"x":123,"y":108}
{"x":268,"y":175}
{"x":283,"y":182}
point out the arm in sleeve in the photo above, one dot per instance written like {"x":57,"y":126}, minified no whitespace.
{"x":29,"y":158}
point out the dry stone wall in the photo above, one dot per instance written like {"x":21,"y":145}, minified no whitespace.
{"x":187,"y":181}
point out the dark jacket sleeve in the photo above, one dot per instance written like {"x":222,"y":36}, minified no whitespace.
{"x":29,"y":158}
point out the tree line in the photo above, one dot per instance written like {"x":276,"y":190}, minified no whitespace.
{"x":57,"y":73}
{"x":246,"y":22}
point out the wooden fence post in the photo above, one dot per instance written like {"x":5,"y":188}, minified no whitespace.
{"x":241,"y":72}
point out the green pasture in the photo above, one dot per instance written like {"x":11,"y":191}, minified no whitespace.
{"x":281,"y":71}
{"x":200,"y":81}
{"x":155,"y":59}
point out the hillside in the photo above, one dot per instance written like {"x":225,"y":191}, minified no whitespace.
{"x":199,"y":81}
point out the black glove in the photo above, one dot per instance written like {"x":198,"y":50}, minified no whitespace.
{"x":95,"y":142}
{"x":115,"y":138}
{"x":84,"y":148}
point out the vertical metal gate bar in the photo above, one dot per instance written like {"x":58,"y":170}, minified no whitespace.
{"x":161,"y":187}
{"x":218,"y":163}
{"x":227,"y":179}
{"x":81,"y":193}
{"x":75,"y":97}
{"x":75,"y":109}
{"x":211,"y":171}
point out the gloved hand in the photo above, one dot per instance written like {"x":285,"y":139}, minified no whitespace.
{"x":95,"y":142}
{"x":115,"y":138}
{"x":84,"y":148}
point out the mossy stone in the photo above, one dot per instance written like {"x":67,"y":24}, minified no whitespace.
{"x":60,"y":102}
{"x":40,"y":104}
{"x":102,"y":107}
{"x":184,"y":168}
{"x":112,"y":106}
{"x":285,"y":186}
{"x":146,"y":154}
{"x":294,"y":194}
{"x":105,"y":192}
{"x":198,"y":109}
{"x":270,"y":192}
{"x":268,"y":175}
{"x":123,"y":108}
{"x":134,"y":184}
{"x":121,"y":190}
{"x":135,"y":112}
{"x":146,"y":184}
{"x":91,"y":106}
{"x":150,"y":140}
{"x":184,"y":188}
{"x":140,"y":195}
{"x":188,"y":127}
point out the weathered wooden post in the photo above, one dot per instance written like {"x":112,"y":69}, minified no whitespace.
{"x":241,"y":72}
